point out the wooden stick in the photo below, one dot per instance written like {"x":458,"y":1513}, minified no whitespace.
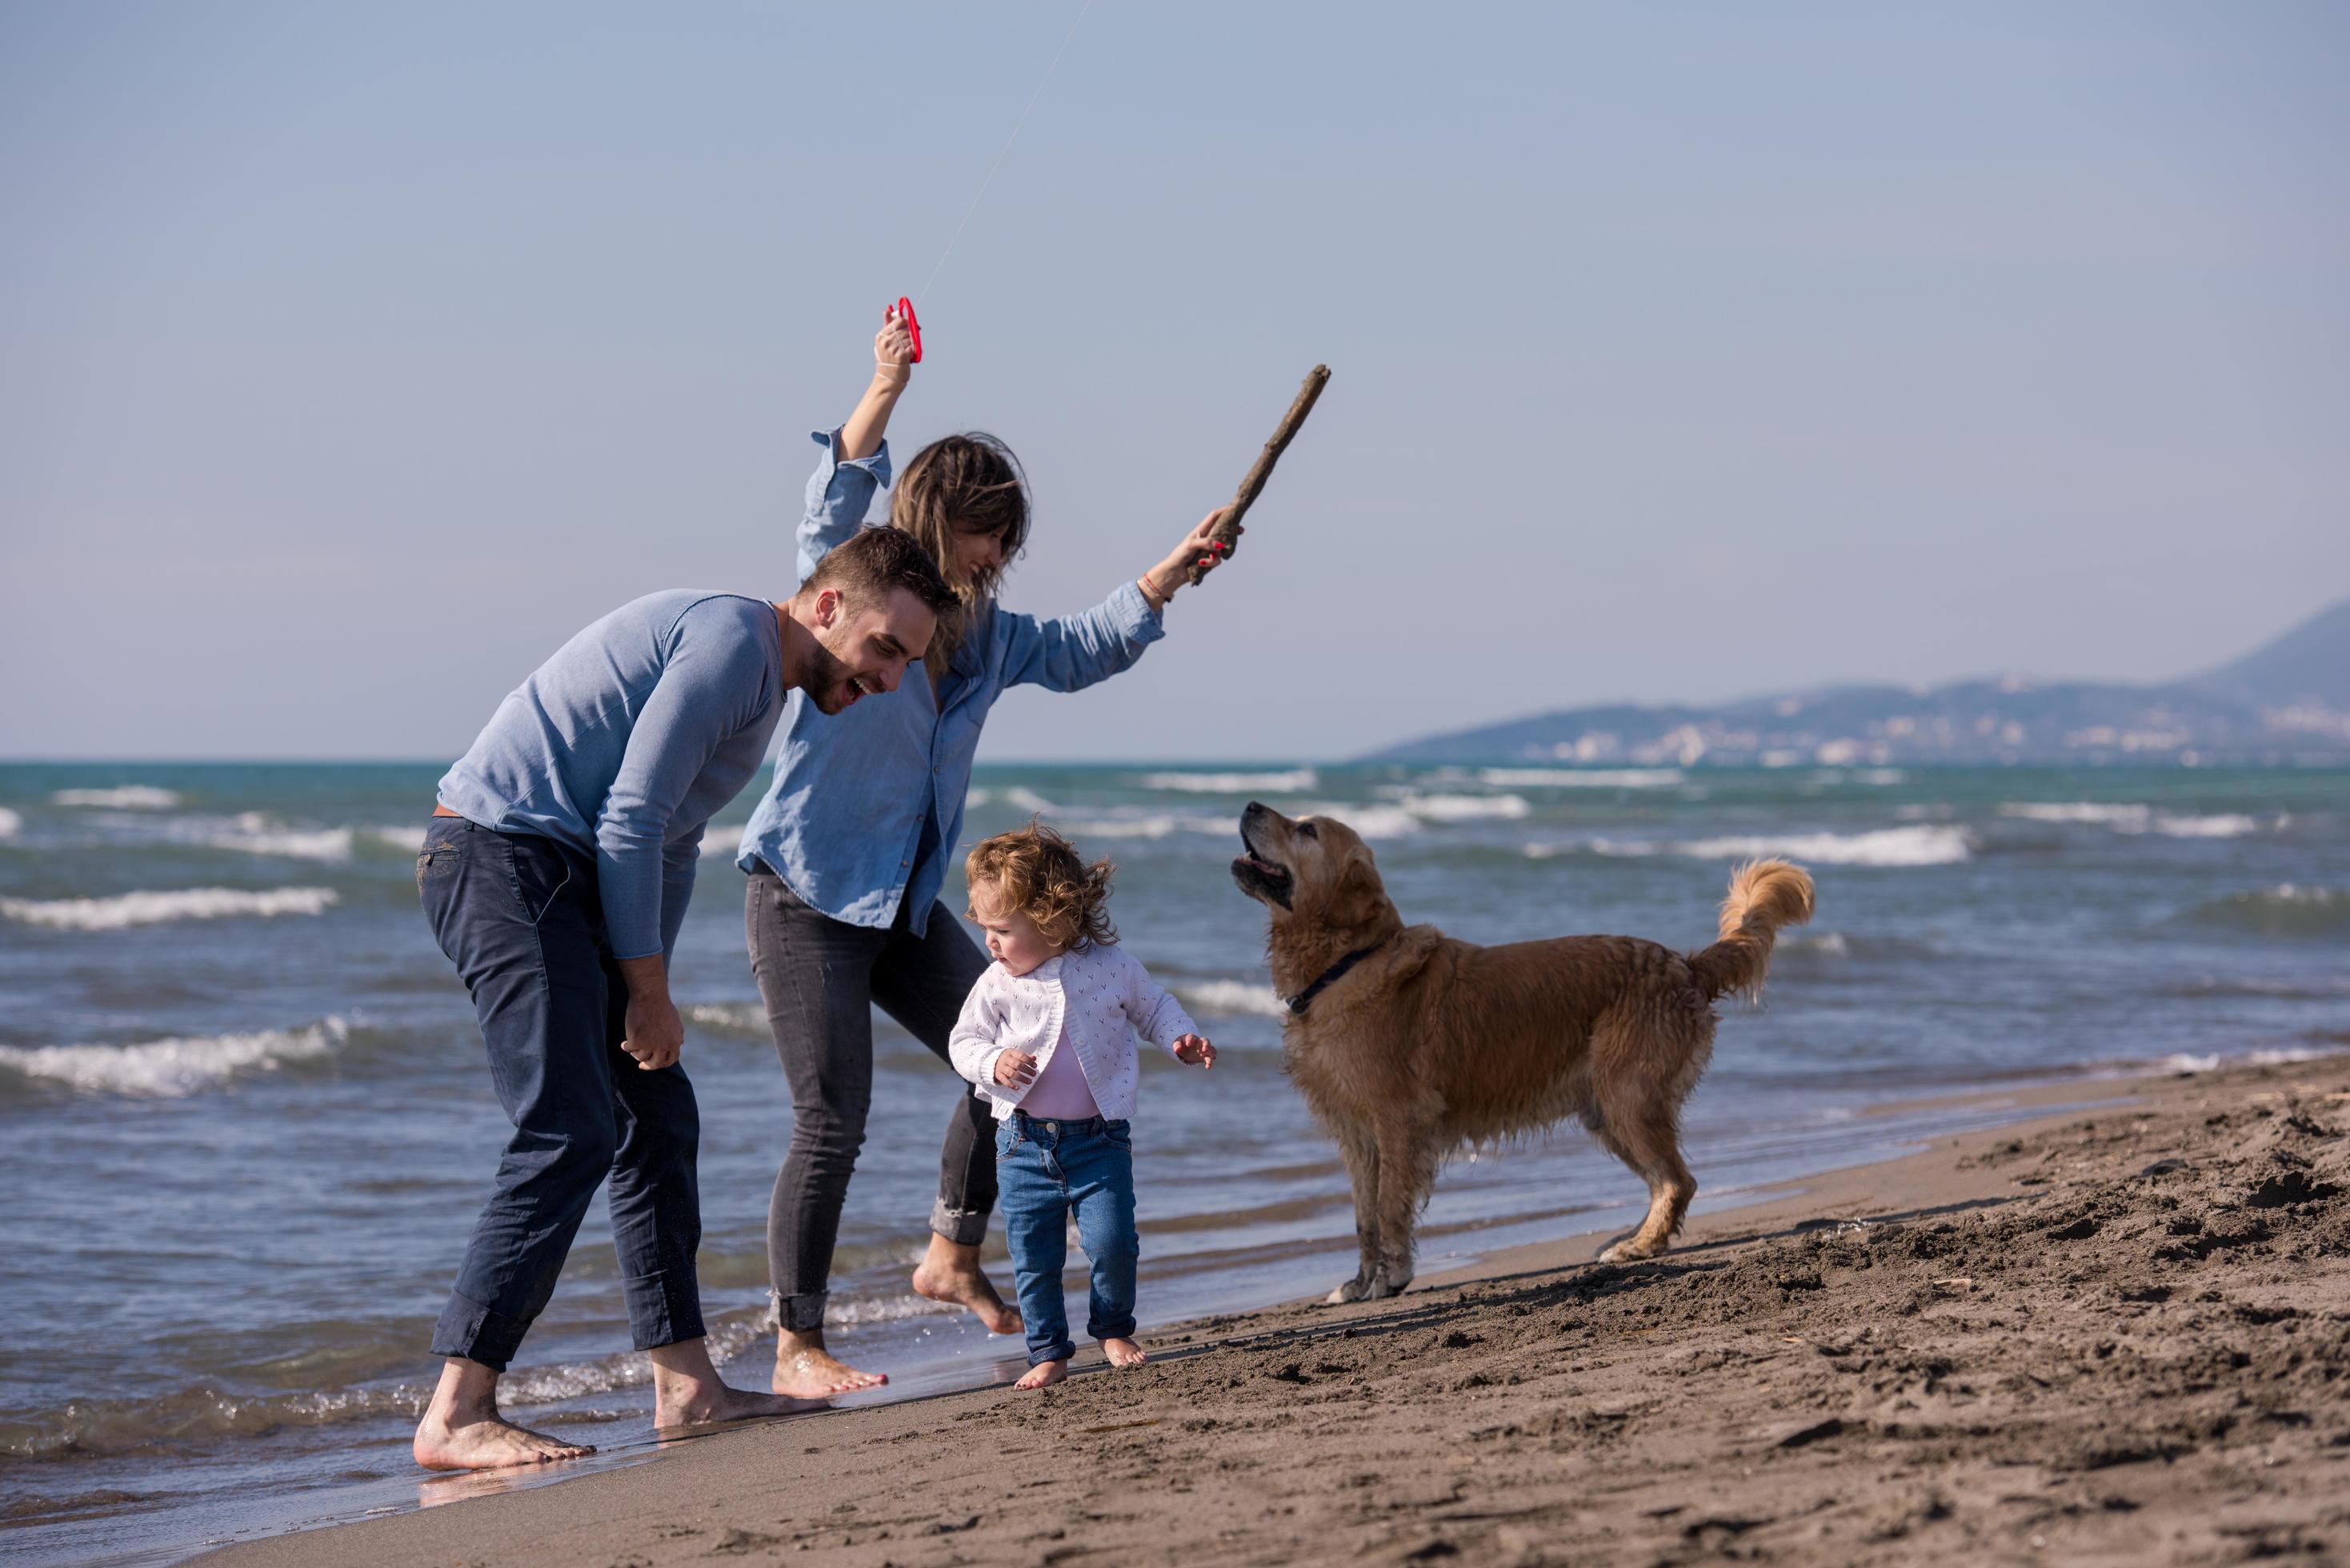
{"x":1228,"y":526}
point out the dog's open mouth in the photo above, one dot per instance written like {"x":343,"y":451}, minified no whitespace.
{"x":1261,"y":878}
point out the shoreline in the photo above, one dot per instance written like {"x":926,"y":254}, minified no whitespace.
{"x":1230,"y":1400}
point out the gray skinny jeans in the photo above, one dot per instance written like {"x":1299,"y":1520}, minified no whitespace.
{"x":821,"y":979}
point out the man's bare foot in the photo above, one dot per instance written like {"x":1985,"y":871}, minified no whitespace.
{"x":949,"y":1272}
{"x":1123,"y":1353}
{"x":804,"y":1369}
{"x":461,"y":1429}
{"x":688,"y":1391}
{"x":490,"y":1444}
{"x":1043,"y":1375}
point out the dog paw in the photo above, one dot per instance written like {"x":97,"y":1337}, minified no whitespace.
{"x":1354,"y":1290}
{"x":1625,"y":1252}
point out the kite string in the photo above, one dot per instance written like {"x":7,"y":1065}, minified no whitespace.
{"x":1003,"y":149}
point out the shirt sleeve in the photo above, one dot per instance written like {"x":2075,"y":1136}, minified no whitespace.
{"x":1070,"y":652}
{"x":839,"y":493}
{"x":680,"y":860}
{"x":707,"y":687}
{"x":1156,"y":1016}
{"x":976,"y":1040}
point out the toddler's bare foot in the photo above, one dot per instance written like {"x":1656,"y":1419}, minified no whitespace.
{"x":1123,"y":1353}
{"x":489,"y":1444}
{"x":949,"y":1272}
{"x":805,"y":1371}
{"x":1043,"y":1375}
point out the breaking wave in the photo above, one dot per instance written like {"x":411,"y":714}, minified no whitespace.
{"x":255,"y":833}
{"x":170,"y":1068}
{"x":2191,"y":1062}
{"x":2133,"y":818}
{"x":1466,"y":808}
{"x":1581,"y":778}
{"x":1292,"y":781}
{"x":150,"y":909}
{"x":1227,"y":999}
{"x":2287,"y":910}
{"x":9,"y":823}
{"x":129,"y":797}
{"x":1921,"y":844}
{"x":721,"y":843}
{"x":400,"y":835}
{"x":1130,"y":823}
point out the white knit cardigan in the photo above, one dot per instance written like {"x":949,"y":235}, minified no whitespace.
{"x":1095,"y":998}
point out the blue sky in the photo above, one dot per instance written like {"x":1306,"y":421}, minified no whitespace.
{"x":350,"y":359}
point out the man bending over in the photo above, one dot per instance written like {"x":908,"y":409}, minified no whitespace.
{"x":555,"y":874}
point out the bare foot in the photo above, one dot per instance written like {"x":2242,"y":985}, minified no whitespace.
{"x":1123,"y":1353}
{"x":488,"y":1444}
{"x":461,"y":1429}
{"x":949,"y":1272}
{"x":809,"y":1371}
{"x":719,"y":1402}
{"x":1044,"y":1373}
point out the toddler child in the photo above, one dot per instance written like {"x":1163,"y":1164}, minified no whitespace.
{"x":1049,"y":1035}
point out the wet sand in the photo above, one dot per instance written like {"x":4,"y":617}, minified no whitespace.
{"x":2114,"y":1333}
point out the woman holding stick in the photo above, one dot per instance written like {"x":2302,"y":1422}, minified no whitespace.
{"x":843,"y":911}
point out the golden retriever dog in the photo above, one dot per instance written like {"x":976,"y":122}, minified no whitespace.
{"x":1407,"y":1043}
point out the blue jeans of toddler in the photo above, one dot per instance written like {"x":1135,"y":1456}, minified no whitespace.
{"x":1045,"y":1169}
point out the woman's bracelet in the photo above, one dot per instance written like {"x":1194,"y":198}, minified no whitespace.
{"x":1150,"y":594}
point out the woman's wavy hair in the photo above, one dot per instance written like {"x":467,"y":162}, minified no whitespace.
{"x":967,"y":483}
{"x":1037,"y":871}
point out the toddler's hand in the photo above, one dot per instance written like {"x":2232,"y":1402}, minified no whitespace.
{"x":1195,"y":1051}
{"x":1015,"y":1068}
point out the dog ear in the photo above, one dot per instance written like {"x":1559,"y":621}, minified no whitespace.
{"x":1358,"y":898}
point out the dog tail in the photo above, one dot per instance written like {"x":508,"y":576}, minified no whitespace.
{"x":1765,"y":895}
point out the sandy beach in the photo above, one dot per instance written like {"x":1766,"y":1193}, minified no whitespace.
{"x":2117,"y":1331}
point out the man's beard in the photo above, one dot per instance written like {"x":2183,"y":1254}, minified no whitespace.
{"x":825,"y":678}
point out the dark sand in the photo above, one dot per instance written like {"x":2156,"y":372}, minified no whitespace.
{"x":2119,"y":1334}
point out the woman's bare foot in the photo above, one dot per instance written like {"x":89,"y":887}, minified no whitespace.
{"x":490,"y":1444}
{"x":804,"y":1369}
{"x":688,"y":1391}
{"x":1043,"y":1375}
{"x":1123,"y":1353}
{"x":949,"y":1272}
{"x":461,"y":1429}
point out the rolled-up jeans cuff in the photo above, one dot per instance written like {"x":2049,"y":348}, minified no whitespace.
{"x":799,"y":1314}
{"x":963,"y":1227}
{"x":665,"y":1308}
{"x":469,"y":1330}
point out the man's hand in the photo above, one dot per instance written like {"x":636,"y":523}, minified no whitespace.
{"x":1014,"y":1069}
{"x":655,"y":1033}
{"x":1162,"y":581}
{"x":1195,"y":1051}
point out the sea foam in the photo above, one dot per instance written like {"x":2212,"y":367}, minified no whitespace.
{"x":129,"y":797}
{"x":2124,"y":818}
{"x":1291,"y":781}
{"x":1466,"y":808}
{"x":9,"y":823}
{"x":1920,"y":844}
{"x":155,"y":909}
{"x":170,"y":1069}
{"x":1581,"y":778}
{"x":1227,"y":998}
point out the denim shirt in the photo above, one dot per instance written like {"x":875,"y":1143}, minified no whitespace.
{"x":843,"y":818}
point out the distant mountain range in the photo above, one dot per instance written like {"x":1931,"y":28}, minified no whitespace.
{"x":2287,"y":702}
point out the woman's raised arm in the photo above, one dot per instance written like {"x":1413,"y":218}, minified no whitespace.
{"x":893,"y":367}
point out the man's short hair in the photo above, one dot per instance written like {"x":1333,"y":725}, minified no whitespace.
{"x":873,"y":563}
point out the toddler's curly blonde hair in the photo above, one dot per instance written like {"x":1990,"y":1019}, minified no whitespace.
{"x":1037,"y":871}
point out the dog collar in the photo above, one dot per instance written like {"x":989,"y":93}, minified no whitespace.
{"x":1328,"y":977}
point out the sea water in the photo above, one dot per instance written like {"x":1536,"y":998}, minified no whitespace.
{"x":245,"y":1122}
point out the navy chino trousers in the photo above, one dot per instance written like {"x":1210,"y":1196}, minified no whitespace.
{"x":519,"y":915}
